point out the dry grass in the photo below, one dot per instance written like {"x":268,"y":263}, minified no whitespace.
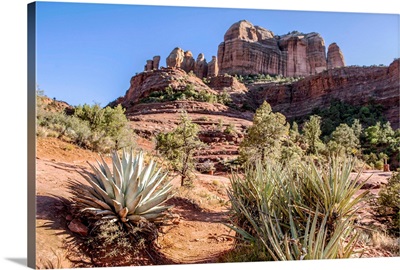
{"x":373,"y":243}
{"x":384,"y":241}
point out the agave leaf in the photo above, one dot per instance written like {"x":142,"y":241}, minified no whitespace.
{"x":157,"y":209}
{"x":134,"y":179}
{"x":124,"y":159}
{"x":98,"y":190}
{"x":118,"y":178}
{"x":123,"y":212}
{"x":132,"y":203}
{"x":105,"y":183}
{"x":106,"y":168}
{"x":94,"y":202}
{"x":134,"y":218}
{"x":98,"y":211}
{"x":152,"y":217}
{"x":151,"y":203}
{"x":132,"y":192}
{"x":144,"y":176}
{"x":151,"y":187}
{"x":165,"y":189}
{"x":101,"y":166}
{"x":128,"y":171}
{"x":96,"y":179}
{"x":117,"y":206}
{"x":109,"y":217}
{"x":154,"y":176}
{"x":119,"y":196}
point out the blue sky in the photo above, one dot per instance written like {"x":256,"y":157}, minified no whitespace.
{"x":87,"y":53}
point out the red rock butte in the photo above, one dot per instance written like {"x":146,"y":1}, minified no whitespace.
{"x":249,"y":49}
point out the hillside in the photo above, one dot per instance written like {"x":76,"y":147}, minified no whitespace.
{"x":293,"y":73}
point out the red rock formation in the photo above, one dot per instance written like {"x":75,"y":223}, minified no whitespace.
{"x":152,"y":64}
{"x":188,"y":62}
{"x":222,"y":82}
{"x":230,"y":85}
{"x":149,"y":65}
{"x":354,"y":85}
{"x":249,"y":49}
{"x":212,"y":67}
{"x":144,"y":83}
{"x":175,"y":58}
{"x":335,"y":56}
{"x":156,"y":62}
{"x":201,"y":67}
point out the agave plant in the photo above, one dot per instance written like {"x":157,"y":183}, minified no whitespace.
{"x":132,"y":192}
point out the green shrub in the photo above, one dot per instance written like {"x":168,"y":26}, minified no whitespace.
{"x":230,"y":129}
{"x":92,"y":127}
{"x":188,"y":93}
{"x":389,"y":202}
{"x":296,"y":212}
{"x":378,"y":164}
{"x":224,"y":98}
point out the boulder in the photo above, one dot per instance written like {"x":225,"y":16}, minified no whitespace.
{"x":76,"y":226}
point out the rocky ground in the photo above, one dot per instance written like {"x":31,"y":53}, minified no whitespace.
{"x":198,"y":236}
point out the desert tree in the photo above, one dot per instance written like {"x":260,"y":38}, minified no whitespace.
{"x":344,"y":140}
{"x":312,"y":133}
{"x":264,"y":138}
{"x":179,"y":146}
{"x":293,"y":147}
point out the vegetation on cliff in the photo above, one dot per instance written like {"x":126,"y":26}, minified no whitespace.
{"x":189,"y":93}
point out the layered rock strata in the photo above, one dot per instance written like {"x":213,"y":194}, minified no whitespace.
{"x":249,"y":49}
{"x":145,"y":83}
{"x":354,"y":85}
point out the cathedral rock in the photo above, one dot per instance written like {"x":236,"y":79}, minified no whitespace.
{"x":249,"y":49}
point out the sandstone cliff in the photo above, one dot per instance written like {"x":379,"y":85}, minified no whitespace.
{"x":354,"y":85}
{"x":249,"y":49}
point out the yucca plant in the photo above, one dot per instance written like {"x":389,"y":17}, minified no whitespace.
{"x":131,"y":193}
{"x":297,"y":212}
